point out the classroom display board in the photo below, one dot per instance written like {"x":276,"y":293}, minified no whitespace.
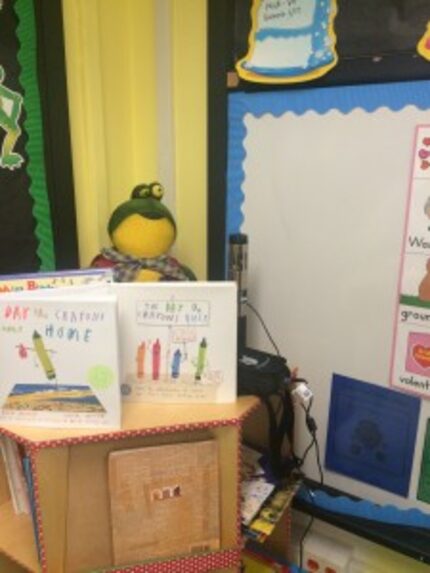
{"x":332,"y":187}
{"x":36,"y":196}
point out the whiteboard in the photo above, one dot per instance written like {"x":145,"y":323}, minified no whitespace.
{"x":319,"y":181}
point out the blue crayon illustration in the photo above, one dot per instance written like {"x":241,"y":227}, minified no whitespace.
{"x":176,"y":363}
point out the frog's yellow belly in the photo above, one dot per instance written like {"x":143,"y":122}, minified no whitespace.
{"x":148,"y":275}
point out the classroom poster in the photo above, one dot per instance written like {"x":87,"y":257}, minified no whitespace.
{"x":334,"y":165}
{"x":366,"y":444}
{"x":178,"y":341}
{"x":59,"y":360}
{"x":410,"y":370}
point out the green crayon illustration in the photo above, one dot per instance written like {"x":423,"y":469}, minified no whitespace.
{"x":43,"y":356}
{"x":201,"y":358}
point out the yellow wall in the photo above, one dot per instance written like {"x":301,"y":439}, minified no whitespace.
{"x":111,"y":72}
{"x":190,"y":111}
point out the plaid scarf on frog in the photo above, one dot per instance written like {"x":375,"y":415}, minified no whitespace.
{"x":127,"y":267}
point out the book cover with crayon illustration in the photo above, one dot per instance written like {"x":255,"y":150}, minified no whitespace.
{"x":178,"y":341}
{"x":58,"y":366}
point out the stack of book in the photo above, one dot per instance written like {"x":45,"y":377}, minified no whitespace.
{"x":264,"y":499}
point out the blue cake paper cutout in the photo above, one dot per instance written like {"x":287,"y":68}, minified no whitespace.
{"x":322,"y":52}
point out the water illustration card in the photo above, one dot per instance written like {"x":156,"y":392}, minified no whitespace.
{"x":371,"y":434}
{"x":178,"y":341}
{"x":59,"y":360}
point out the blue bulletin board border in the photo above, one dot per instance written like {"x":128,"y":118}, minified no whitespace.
{"x":364,"y":509}
{"x":395,"y":96}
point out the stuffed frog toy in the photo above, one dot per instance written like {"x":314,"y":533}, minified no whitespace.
{"x":142,"y":231}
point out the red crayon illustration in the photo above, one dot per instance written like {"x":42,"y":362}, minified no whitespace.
{"x":156,"y":351}
{"x":140,"y":359}
{"x":22,"y":351}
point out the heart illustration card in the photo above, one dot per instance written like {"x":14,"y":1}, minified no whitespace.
{"x":418,"y":353}
{"x":371,"y":434}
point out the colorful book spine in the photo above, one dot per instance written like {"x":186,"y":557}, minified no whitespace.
{"x":28,"y":474}
{"x":15,"y":475}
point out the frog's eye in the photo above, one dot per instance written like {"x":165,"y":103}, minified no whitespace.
{"x":141,"y":192}
{"x":157,"y":190}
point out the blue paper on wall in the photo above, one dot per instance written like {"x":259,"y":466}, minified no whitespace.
{"x":371,"y":434}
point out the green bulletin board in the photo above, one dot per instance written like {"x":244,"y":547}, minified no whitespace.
{"x":424,"y":483}
{"x":35,"y":234}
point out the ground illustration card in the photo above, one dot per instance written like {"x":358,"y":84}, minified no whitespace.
{"x":178,"y":341}
{"x":59,"y":361}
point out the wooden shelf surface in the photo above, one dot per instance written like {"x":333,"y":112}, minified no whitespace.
{"x":143,"y":418}
{"x":17,"y":538}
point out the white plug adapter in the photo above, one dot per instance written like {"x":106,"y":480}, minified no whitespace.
{"x":302,"y":394}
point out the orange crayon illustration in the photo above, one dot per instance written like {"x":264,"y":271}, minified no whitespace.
{"x":156,"y":352}
{"x":140,"y":359}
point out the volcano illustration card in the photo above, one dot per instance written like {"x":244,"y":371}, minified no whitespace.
{"x":371,"y":434}
{"x":178,"y":341}
{"x":59,"y":360}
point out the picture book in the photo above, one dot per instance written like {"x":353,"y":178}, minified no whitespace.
{"x":15,"y":475}
{"x":43,"y":280}
{"x":59,"y":362}
{"x":164,"y":500}
{"x":28,"y":475}
{"x":178,"y":341}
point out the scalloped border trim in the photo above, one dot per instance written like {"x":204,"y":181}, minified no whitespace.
{"x":26,"y":32}
{"x":366,"y":509}
{"x":395,"y":96}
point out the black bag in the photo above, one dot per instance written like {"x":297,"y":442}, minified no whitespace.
{"x":266,"y":376}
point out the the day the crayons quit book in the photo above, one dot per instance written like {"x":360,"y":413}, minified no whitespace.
{"x":59,"y":360}
{"x":178,"y":341}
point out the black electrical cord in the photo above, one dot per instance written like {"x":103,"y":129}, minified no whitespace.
{"x":310,"y":424}
{"x":266,"y":330}
{"x":312,"y":428}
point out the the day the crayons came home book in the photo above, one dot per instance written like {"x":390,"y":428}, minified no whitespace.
{"x":59,"y":360}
